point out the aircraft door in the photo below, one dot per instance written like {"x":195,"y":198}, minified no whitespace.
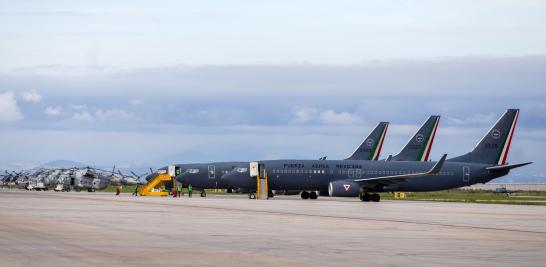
{"x":466,"y":174}
{"x":261,"y":170}
{"x":212,"y":172}
{"x":253,"y":169}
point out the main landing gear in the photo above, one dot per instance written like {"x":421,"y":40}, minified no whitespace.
{"x":367,"y":197}
{"x":253,"y":195}
{"x":309,"y":195}
{"x":203,"y":194}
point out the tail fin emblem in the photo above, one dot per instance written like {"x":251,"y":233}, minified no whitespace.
{"x":495,"y":134}
{"x":419,"y":138}
{"x":370,"y":142}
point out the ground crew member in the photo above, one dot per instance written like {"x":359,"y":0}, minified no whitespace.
{"x":117,"y":191}
{"x":190,"y":189}
{"x":136,"y":191}
{"x":179,"y":189}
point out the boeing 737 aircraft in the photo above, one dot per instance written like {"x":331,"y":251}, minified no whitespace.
{"x":207,"y":175}
{"x":487,"y":161}
{"x":417,"y":149}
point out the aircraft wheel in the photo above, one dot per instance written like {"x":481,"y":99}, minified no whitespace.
{"x":229,"y":191}
{"x":305,"y":195}
{"x":203,"y":194}
{"x":313,"y":195}
{"x":270,"y":195}
{"x":365,"y":197}
{"x":251,"y":196}
{"x":375,"y":197}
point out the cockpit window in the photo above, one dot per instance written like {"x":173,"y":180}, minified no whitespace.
{"x":241,"y":169}
{"x":192,"y":171}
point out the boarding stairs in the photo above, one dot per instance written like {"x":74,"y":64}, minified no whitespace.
{"x":154,"y":187}
{"x":262,"y":188}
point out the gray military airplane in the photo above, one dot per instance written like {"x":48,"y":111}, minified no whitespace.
{"x":417,"y":149}
{"x":487,"y":161}
{"x":208,"y":175}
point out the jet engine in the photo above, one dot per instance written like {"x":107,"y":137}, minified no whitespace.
{"x":343,"y":189}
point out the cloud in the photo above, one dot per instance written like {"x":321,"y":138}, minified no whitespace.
{"x":475,"y":119}
{"x":332,"y":117}
{"x":83,"y":116}
{"x":53,"y":111}
{"x":9,"y":111}
{"x":136,"y":102}
{"x":113,"y":115}
{"x":301,"y":114}
{"x":78,"y":107}
{"x":31,"y":96}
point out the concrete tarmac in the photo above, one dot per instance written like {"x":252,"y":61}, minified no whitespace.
{"x":100,"y":229}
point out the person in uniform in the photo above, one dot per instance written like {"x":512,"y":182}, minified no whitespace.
{"x":179,"y":190}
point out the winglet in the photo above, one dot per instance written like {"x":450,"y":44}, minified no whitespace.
{"x":438,"y":166}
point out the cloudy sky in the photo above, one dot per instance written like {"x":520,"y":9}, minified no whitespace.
{"x":146,"y":83}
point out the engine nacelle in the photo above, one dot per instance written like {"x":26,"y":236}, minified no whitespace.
{"x":343,"y":189}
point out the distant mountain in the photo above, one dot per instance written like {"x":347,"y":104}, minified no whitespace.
{"x":62,"y":164}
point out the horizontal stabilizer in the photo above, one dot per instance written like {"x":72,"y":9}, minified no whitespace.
{"x":396,"y":178}
{"x":507,"y":166}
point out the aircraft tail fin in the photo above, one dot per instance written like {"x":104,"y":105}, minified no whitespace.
{"x":371,"y":146}
{"x":419,"y":146}
{"x":494,"y":146}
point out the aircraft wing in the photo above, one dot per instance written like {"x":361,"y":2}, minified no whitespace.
{"x":386,"y":180}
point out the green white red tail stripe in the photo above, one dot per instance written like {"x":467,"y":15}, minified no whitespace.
{"x":430,"y":141}
{"x":506,"y":147}
{"x":379,"y":145}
